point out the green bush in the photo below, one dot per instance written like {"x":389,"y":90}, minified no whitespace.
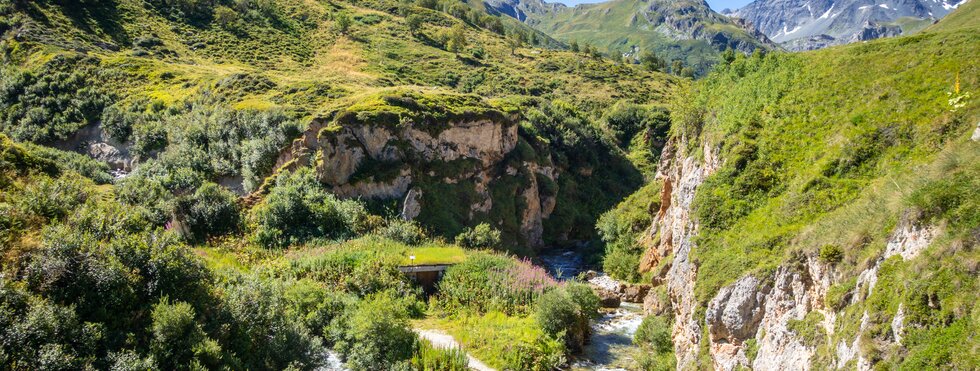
{"x":86,"y":166}
{"x":567,"y":312}
{"x":653,"y":337}
{"x":39,"y":333}
{"x":299,"y":208}
{"x":53,"y":102}
{"x":263,"y":335}
{"x":375,"y":335}
{"x":210,"y":211}
{"x":832,"y":254}
{"x":404,"y":231}
{"x":620,"y":229}
{"x":178,"y":340}
{"x":481,"y":236}
{"x":487,"y":282}
{"x":654,"y":332}
{"x":52,"y":198}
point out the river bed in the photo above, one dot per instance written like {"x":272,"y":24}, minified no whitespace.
{"x":611,"y":347}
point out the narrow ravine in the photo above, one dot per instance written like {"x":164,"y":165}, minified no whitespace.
{"x":611,"y":346}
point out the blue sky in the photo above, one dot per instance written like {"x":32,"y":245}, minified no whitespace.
{"x":717,"y":5}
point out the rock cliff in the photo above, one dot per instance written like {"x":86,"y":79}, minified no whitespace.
{"x":760,"y":321}
{"x":447,"y":169}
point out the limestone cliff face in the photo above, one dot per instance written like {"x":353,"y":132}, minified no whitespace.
{"x":757,"y":308}
{"x":681,"y":174}
{"x":408,"y":162}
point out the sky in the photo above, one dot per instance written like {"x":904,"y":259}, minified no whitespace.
{"x":717,"y":5}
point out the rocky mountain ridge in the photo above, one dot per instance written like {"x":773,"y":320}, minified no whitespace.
{"x":689,"y":31}
{"x":814,"y":24}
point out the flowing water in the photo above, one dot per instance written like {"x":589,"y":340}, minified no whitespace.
{"x":611,"y":346}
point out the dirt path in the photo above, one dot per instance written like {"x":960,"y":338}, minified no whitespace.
{"x":441,"y":339}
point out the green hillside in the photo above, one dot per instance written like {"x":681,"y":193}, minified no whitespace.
{"x":688,"y":31}
{"x":823,"y":155}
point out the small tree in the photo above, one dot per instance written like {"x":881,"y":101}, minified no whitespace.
{"x":514,"y":42}
{"x":676,"y":67}
{"x":652,"y":62}
{"x":225,"y":16}
{"x":457,"y":39}
{"x":342,"y":22}
{"x":414,"y":23}
{"x":430,"y":4}
{"x":728,"y":56}
{"x":574,"y":46}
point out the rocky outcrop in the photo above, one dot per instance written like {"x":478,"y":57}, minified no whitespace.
{"x":750,"y":308}
{"x":672,"y":233}
{"x":908,"y":241}
{"x":405,"y":160}
{"x":813,"y":24}
{"x":94,"y":142}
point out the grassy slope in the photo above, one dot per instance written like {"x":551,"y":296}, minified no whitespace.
{"x":615,"y":26}
{"x":312,"y":65}
{"x":293,"y":59}
{"x":828,"y":150}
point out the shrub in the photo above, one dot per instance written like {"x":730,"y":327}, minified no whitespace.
{"x":414,"y":23}
{"x":52,"y":198}
{"x":487,"y":282}
{"x":225,"y":16}
{"x":53,"y":102}
{"x":342,"y":23}
{"x":88,"y":167}
{"x":622,"y":264}
{"x":299,"y":209}
{"x":178,"y":340}
{"x":266,"y":338}
{"x":831,"y":254}
{"x":375,"y":335}
{"x":315,"y":306}
{"x":654,"y":332}
{"x":405,"y":231}
{"x":210,"y":211}
{"x":567,"y":313}
{"x":38,"y":333}
{"x":653,"y":337}
{"x":481,"y":236}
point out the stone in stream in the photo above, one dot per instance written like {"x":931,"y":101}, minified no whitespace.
{"x":608,"y":299}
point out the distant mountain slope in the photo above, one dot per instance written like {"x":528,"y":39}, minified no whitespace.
{"x":814,"y":24}
{"x":686,"y":30}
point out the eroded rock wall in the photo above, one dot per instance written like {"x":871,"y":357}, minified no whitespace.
{"x":760,"y":309}
{"x":389,"y":161}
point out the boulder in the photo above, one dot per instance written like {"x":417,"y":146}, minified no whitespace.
{"x":608,"y":299}
{"x":635,"y":293}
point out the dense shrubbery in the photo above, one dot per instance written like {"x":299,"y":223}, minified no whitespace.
{"x":566,"y":313}
{"x":620,"y":229}
{"x":375,"y":335}
{"x":299,"y":209}
{"x":482,"y":236}
{"x":51,"y":103}
{"x":210,"y":211}
{"x":405,"y":231}
{"x":654,"y":339}
{"x":487,"y":282}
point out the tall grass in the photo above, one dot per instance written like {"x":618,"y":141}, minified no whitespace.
{"x":429,"y":358}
